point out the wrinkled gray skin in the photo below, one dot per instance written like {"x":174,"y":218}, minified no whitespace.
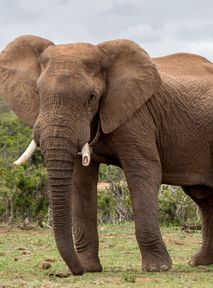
{"x":157,"y":124}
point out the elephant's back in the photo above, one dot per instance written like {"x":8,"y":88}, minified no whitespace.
{"x":184,"y":65}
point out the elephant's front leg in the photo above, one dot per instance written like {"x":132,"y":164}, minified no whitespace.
{"x":144,"y":194}
{"x":84,"y":213}
{"x":144,"y":177}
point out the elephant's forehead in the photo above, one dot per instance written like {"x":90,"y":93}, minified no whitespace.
{"x":79,"y":50}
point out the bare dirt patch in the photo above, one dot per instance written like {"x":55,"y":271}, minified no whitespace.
{"x":4,"y":230}
{"x":117,"y":236}
{"x":103,"y":186}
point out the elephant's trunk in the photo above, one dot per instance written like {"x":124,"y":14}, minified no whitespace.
{"x":59,"y":163}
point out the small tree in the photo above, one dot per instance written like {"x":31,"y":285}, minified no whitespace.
{"x":22,"y":190}
{"x":114,"y":202}
{"x":23,"y":193}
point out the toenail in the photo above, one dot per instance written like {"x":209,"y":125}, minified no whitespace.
{"x":164,"y":268}
{"x":192,"y":263}
{"x":153,"y":269}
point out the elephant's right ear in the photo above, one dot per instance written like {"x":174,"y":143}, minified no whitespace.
{"x":19,"y":71}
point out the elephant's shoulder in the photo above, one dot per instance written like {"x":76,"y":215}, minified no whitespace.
{"x":184,"y":64}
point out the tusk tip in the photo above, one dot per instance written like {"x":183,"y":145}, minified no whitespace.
{"x":17,"y":163}
{"x":85,"y":152}
{"x":26,"y":155}
{"x":85,"y":161}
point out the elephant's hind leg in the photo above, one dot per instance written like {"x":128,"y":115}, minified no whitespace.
{"x":84,"y":213}
{"x":203,"y":196}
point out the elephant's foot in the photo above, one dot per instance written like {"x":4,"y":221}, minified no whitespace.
{"x":203,"y":257}
{"x":156,"y":262}
{"x":90,"y":263}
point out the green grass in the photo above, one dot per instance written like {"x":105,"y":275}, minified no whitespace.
{"x":21,"y":254}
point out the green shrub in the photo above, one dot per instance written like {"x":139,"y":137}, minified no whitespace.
{"x":23,"y":193}
{"x":175,"y":207}
{"x":114,"y":203}
{"x":22,"y":190}
{"x":106,"y":207}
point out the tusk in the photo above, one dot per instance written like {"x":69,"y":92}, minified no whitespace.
{"x":27,"y":154}
{"x":85,"y":151}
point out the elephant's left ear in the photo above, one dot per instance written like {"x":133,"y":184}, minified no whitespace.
{"x":132,"y":79}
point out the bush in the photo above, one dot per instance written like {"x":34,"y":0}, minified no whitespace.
{"x":175,"y":207}
{"x":114,"y":204}
{"x":23,"y":193}
{"x":22,"y":190}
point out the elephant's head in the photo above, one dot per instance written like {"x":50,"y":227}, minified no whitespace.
{"x":58,"y":89}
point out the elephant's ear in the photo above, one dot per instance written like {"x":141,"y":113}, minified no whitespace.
{"x":132,"y":79}
{"x":19,"y":71}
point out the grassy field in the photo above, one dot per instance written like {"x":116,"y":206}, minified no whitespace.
{"x":22,"y":252}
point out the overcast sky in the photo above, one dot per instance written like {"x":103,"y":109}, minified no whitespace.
{"x":160,"y":26}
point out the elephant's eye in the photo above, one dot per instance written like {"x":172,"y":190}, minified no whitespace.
{"x":91,"y":98}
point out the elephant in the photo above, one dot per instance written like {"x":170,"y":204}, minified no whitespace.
{"x":153,"y":117}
